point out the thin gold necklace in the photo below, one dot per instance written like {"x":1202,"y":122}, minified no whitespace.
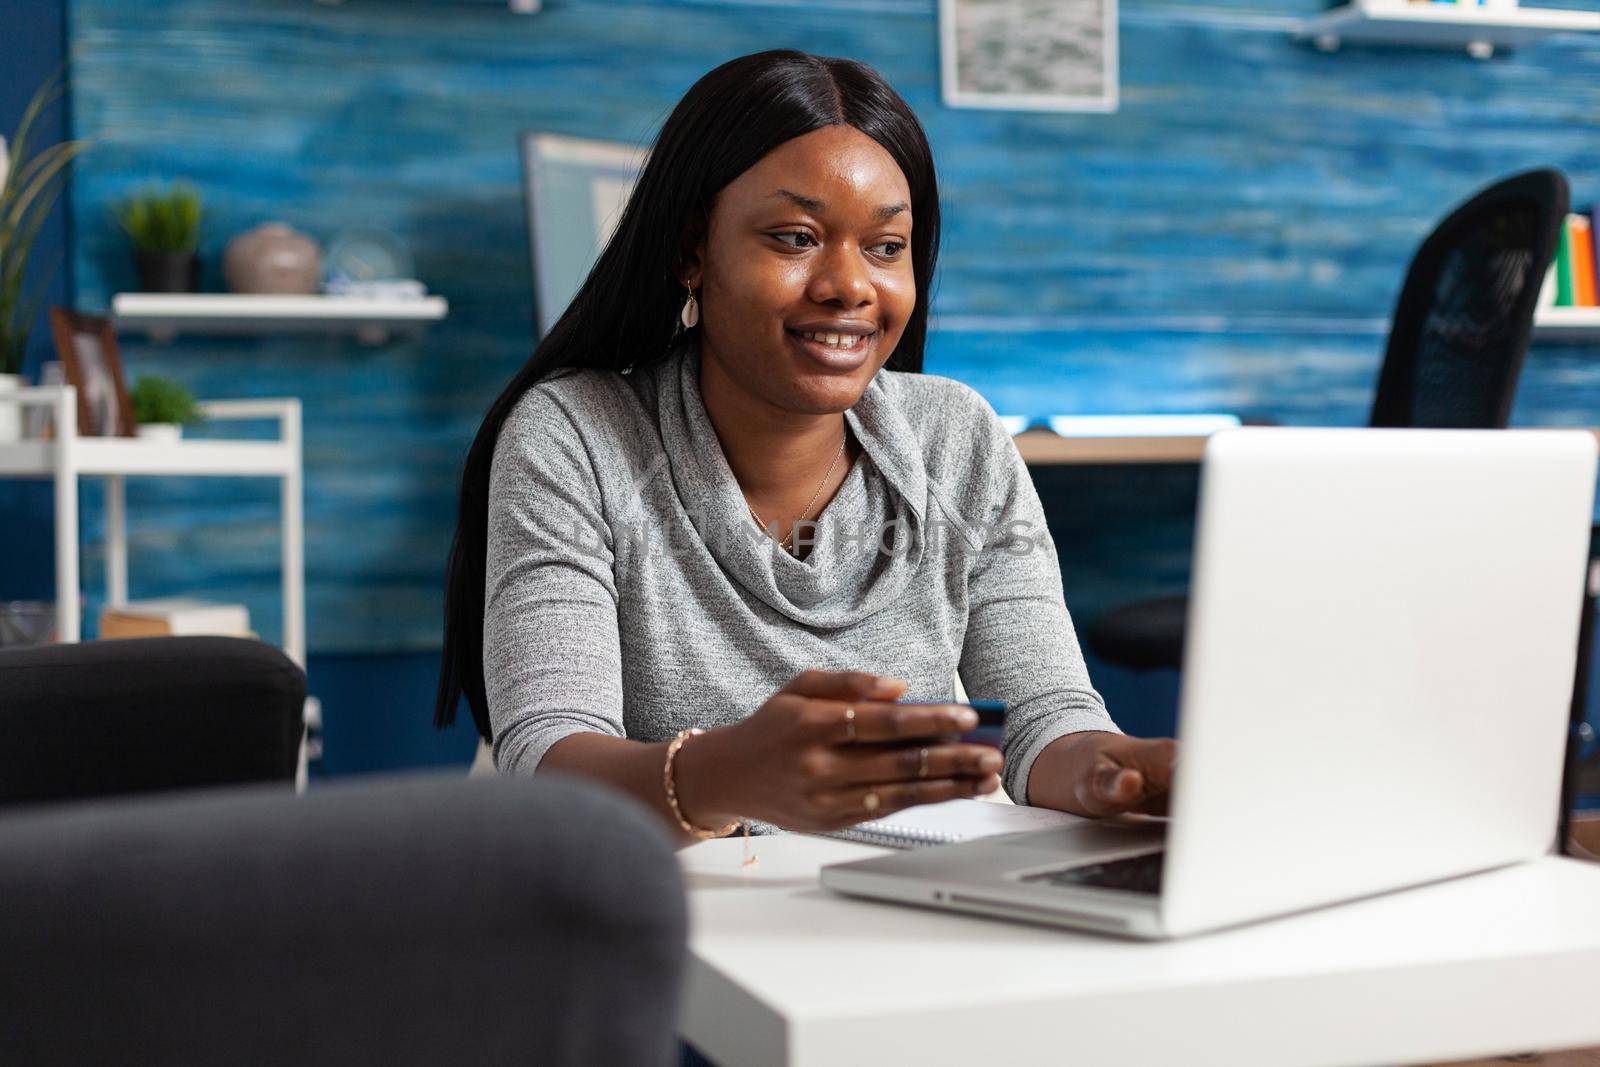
{"x":787,"y":543}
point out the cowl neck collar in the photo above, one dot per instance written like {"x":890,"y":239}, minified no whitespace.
{"x":870,"y":537}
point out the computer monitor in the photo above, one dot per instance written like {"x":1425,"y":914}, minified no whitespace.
{"x":574,"y":191}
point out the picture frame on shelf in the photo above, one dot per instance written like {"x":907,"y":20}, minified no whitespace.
{"x":87,"y":348}
{"x":1029,"y":55}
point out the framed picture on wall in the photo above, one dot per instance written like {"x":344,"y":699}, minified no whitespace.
{"x":1029,"y":55}
{"x":87,"y":348}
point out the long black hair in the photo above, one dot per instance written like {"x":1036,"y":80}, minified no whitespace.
{"x":626,"y":313}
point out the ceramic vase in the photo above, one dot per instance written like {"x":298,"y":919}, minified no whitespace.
{"x":273,"y":258}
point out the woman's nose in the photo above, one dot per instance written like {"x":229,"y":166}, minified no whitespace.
{"x":841,"y":276}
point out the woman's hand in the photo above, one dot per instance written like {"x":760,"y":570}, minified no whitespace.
{"x":1098,"y":774}
{"x":801,"y":762}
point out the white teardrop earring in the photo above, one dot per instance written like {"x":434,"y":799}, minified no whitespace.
{"x":690,"y":315}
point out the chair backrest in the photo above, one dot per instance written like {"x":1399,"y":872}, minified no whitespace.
{"x":144,"y":715}
{"x":1464,"y":319}
{"x":403,"y":919}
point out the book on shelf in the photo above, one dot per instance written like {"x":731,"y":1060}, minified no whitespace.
{"x":174,"y":616}
{"x":1574,"y":282}
{"x":1581,"y":227}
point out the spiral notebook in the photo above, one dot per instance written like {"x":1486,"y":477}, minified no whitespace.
{"x":952,"y":821}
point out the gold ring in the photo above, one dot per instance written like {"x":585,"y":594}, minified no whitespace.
{"x":870,"y":801}
{"x":850,"y":724}
{"x":922,"y":763}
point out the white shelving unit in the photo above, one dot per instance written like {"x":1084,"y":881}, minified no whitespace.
{"x":1481,"y":31}
{"x":162,"y":316}
{"x":1566,"y":324}
{"x":69,"y":457}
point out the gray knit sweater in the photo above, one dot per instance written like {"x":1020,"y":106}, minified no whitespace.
{"x":630,"y":593}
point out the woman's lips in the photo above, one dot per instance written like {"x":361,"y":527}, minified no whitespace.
{"x":832,"y":357}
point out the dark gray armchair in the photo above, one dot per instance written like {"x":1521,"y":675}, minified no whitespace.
{"x":400,"y":920}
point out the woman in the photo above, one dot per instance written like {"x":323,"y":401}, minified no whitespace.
{"x":721,"y":496}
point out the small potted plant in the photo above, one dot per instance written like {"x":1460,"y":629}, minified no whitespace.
{"x":163,"y":407}
{"x":164,"y":226}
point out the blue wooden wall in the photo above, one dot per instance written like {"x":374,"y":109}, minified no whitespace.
{"x":1232,"y":238}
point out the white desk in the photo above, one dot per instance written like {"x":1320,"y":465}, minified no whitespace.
{"x":1073,"y":439}
{"x":785,"y":972}
{"x":1047,"y":448}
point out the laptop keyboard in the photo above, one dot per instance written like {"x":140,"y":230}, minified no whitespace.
{"x":1137,"y":874}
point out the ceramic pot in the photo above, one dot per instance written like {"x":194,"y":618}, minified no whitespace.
{"x":168,"y":272}
{"x":165,"y":432}
{"x":10,"y":409}
{"x":273,"y":258}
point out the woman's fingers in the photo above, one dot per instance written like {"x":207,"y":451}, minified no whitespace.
{"x":1129,"y":774}
{"x":845,"y":722}
{"x":879,"y":764}
{"x":1118,"y":786}
{"x":1107,"y":789}
{"x":844,"y":685}
{"x":1152,"y":757}
{"x":858,"y":803}
{"x":842,"y":707}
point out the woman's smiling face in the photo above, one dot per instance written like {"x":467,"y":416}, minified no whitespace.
{"x":815,"y":239}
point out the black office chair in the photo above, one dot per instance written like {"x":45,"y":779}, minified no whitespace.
{"x":1460,"y":331}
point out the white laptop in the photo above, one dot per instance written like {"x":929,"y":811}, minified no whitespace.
{"x":1382,"y":636}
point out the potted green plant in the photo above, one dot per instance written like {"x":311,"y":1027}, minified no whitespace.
{"x":29,"y":184}
{"x":163,"y":407}
{"x":164,"y":226}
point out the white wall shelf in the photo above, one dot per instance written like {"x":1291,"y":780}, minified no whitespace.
{"x":1566,"y":324}
{"x":1481,"y":31}
{"x":372,"y":320}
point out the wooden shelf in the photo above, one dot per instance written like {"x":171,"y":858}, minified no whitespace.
{"x":1481,"y":31}
{"x":1566,"y":324}
{"x":164,"y":316}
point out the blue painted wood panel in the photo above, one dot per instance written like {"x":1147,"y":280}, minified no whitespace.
{"x":1233,"y":237}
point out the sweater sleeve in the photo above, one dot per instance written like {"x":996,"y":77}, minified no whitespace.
{"x":551,"y":651}
{"x":1020,"y":645}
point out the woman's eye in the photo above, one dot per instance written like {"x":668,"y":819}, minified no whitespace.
{"x":894,"y":248}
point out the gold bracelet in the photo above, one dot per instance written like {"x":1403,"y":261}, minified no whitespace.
{"x":672,"y":793}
